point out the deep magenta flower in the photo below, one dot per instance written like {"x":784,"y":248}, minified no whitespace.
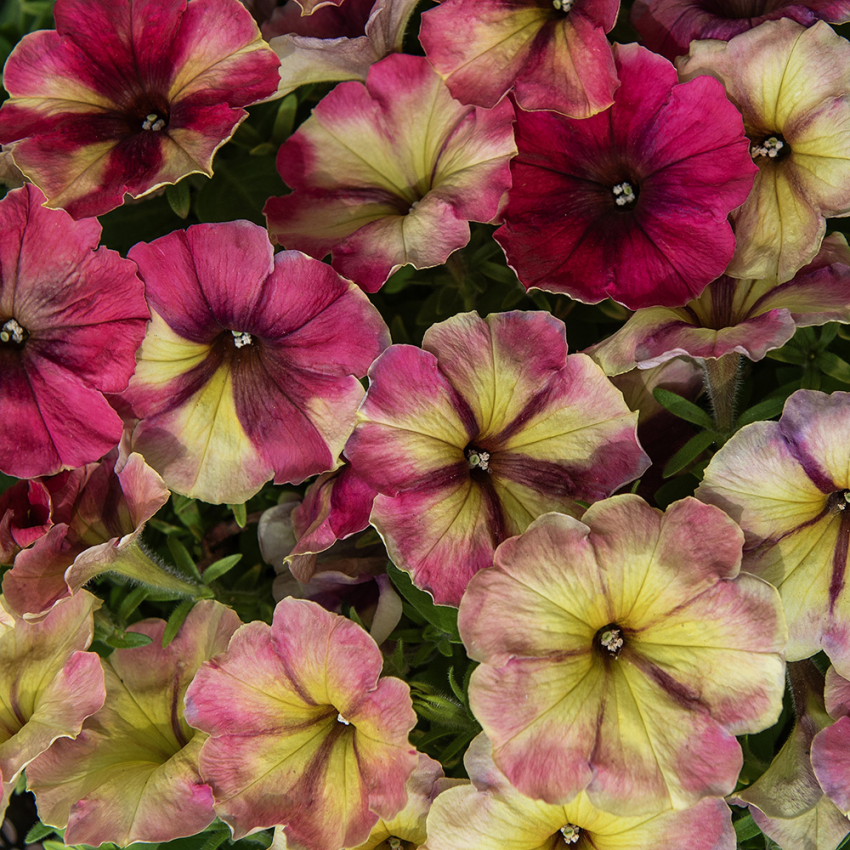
{"x":554,"y":55}
{"x":250,"y":366}
{"x":71,"y":318}
{"x":127,"y":95}
{"x":632,"y":203}
{"x":669,"y":26}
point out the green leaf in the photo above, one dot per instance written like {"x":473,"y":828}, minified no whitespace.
{"x":683,"y":408}
{"x":240,"y":514}
{"x":788,"y":354}
{"x":689,"y":452}
{"x":188,"y":513}
{"x":746,"y":828}
{"x":218,"y":568}
{"x":284,"y":121}
{"x":441,"y":616}
{"x":132,"y":601}
{"x":177,"y":618}
{"x":834,"y":366}
{"x":761,"y":411}
{"x":239,"y":189}
{"x":127,"y":640}
{"x":38,"y":832}
{"x":182,"y":559}
{"x":179,"y":198}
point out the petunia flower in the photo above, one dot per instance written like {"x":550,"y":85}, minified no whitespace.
{"x":126,"y":96}
{"x":831,"y":747}
{"x":553,"y":54}
{"x":620,"y":655}
{"x":25,"y":515}
{"x":250,"y":364}
{"x":669,"y":26}
{"x":791,"y":85}
{"x":304,"y":733}
{"x":381,"y":181}
{"x":491,"y":814}
{"x":472,"y":438}
{"x":49,"y":683}
{"x":787,"y":801}
{"x":71,"y":318}
{"x":748,"y":317}
{"x":132,"y":773}
{"x":335,"y":42}
{"x":785,"y":483}
{"x":632,"y":203}
{"x":99,"y":512}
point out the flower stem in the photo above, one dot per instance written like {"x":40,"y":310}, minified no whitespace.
{"x":722,"y":380}
{"x":136,"y":564}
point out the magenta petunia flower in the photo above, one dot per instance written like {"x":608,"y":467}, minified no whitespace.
{"x":632,"y":203}
{"x":304,"y":732}
{"x":487,"y":428}
{"x":127,"y":95}
{"x":71,"y":318}
{"x":381,"y":182}
{"x":335,"y":42}
{"x":250,"y":366}
{"x":553,"y":54}
{"x":669,"y":26}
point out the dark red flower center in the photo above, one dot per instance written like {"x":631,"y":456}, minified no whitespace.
{"x":12,"y":334}
{"x":148,"y":113}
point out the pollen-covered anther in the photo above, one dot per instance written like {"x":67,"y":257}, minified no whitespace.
{"x":612,"y":640}
{"x":624,"y":194}
{"x":241,"y":339}
{"x":341,"y":719}
{"x":479,"y":460}
{"x":394,"y":843}
{"x":153,"y":122}
{"x":770,"y":147}
{"x":563,"y":5}
{"x":571,"y":833}
{"x":12,"y":332}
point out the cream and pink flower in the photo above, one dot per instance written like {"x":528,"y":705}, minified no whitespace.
{"x":127,"y":95}
{"x":472,"y":437}
{"x":491,"y":814}
{"x":304,"y":733}
{"x":250,"y":366}
{"x":49,"y":683}
{"x":620,"y":655}
{"x":749,"y":317}
{"x":132,"y":773}
{"x":786,"y":483}
{"x":831,"y":747}
{"x":99,"y":512}
{"x":552,"y":55}
{"x":71,"y":318}
{"x":335,"y":42}
{"x":391,"y":173}
{"x":632,"y":203}
{"x":791,"y":85}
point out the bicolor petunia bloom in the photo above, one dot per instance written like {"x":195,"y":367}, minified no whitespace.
{"x":632,"y":203}
{"x":831,"y":748}
{"x":748,"y":317}
{"x":303,"y":732}
{"x":250,"y":364}
{"x":98,"y":516}
{"x":620,"y":655}
{"x":26,"y":513}
{"x":49,"y":684}
{"x":132,"y":773}
{"x":381,"y":181}
{"x":791,"y":85}
{"x":71,"y":318}
{"x":669,"y":26}
{"x":485,"y":428}
{"x":786,"y":483}
{"x":787,"y":801}
{"x":553,"y":54}
{"x":491,"y":814}
{"x":335,"y":42}
{"x":128,"y":95}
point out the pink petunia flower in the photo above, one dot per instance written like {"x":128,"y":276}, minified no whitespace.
{"x":71,"y":318}
{"x":632,"y":203}
{"x":128,"y":95}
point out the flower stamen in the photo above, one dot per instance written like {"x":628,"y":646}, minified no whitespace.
{"x":479,"y":460}
{"x":153,"y":122}
{"x":624,"y":194}
{"x":571,"y":833}
{"x":241,"y":338}
{"x":341,"y":719}
{"x":770,"y":147}
{"x":393,"y":843}
{"x":12,"y":332}
{"x":563,"y":5}
{"x":612,"y":640}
